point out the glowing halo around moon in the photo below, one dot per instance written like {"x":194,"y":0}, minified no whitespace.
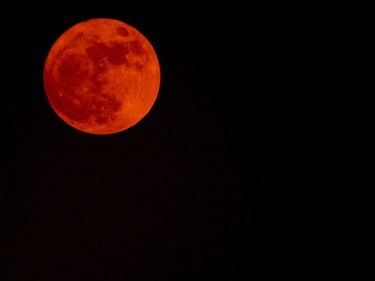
{"x":101,"y":76}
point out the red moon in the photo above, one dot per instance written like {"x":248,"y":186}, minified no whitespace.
{"x":101,"y":76}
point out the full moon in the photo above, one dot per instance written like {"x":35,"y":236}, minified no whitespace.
{"x":101,"y":76}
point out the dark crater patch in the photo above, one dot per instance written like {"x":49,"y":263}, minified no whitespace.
{"x":122,"y":31}
{"x":104,"y":108}
{"x":71,"y":72}
{"x":73,"y":104}
{"x":97,"y":51}
{"x":115,"y":53}
{"x":136,"y":47}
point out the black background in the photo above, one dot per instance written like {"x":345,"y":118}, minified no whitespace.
{"x":235,"y":174}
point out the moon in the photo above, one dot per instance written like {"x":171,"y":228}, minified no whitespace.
{"x":101,"y":76}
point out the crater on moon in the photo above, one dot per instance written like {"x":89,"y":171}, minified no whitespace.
{"x":102,"y":76}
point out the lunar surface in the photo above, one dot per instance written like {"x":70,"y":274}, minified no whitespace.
{"x":102,"y":76}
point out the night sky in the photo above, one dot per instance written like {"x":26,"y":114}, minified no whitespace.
{"x":235,"y":173}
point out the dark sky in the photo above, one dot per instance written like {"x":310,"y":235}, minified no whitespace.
{"x":233,"y":175}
